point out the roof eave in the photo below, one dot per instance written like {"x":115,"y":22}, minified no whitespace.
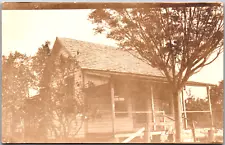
{"x":158,"y":79}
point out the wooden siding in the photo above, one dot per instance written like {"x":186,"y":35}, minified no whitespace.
{"x":100,"y":125}
{"x":103,"y":121}
{"x":124,"y":124}
{"x":104,"y":124}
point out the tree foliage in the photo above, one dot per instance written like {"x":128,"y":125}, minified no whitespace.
{"x":16,"y":80}
{"x":197,"y":104}
{"x":66,"y":101}
{"x":179,"y":41}
{"x":201,"y":119}
{"x":217,"y":95}
{"x":39,"y":61}
{"x":36,"y":118}
{"x":57,"y":114}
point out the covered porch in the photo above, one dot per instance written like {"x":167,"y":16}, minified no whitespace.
{"x":120,"y":105}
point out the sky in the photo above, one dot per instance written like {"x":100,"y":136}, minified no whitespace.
{"x":26,"y":30}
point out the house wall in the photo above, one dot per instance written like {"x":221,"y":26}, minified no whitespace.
{"x":123,"y":121}
{"x":139,"y":95}
{"x":102,"y":122}
{"x":131,"y":91}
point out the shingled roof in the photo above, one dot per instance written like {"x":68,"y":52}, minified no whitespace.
{"x":106,"y":58}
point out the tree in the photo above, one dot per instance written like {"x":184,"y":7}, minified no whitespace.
{"x":202,"y":119}
{"x":32,"y":106}
{"x":179,"y":41}
{"x":216,"y":94}
{"x":58,"y":110}
{"x":66,"y":98}
{"x":16,"y":79}
{"x":39,"y":61}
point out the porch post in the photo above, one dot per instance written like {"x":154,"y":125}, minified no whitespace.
{"x":113,"y":105}
{"x":184,"y":110}
{"x":211,"y":131}
{"x":152,"y":107}
{"x":129,"y":106}
{"x":210,"y":105}
{"x":148,"y":123}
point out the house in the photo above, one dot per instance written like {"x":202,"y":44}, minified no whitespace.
{"x":126,"y":92}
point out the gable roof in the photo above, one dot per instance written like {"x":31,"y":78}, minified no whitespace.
{"x":106,"y":58}
{"x":98,"y":57}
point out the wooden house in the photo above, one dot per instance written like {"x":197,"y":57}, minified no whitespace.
{"x":126,"y":92}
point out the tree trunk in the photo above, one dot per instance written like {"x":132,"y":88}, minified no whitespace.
{"x":177,"y":115}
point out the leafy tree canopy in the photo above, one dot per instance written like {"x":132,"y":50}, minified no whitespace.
{"x":179,"y":41}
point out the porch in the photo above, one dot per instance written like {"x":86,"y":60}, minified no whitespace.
{"x":119,"y":106}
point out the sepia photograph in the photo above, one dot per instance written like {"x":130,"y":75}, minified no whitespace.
{"x":112,"y":72}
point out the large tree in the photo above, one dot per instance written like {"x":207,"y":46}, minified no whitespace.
{"x":177,"y":40}
{"x":66,"y":99}
{"x":16,"y":80}
{"x":58,"y":110}
{"x":34,"y":117}
{"x":39,"y":61}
